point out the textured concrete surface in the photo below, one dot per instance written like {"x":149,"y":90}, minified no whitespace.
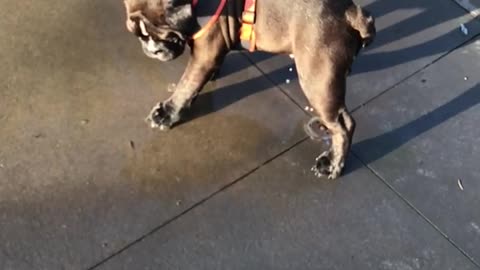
{"x":422,"y":138}
{"x":85,"y":184}
{"x":282,"y":218}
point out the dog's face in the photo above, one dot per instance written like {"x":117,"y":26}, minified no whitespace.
{"x":162,"y":26}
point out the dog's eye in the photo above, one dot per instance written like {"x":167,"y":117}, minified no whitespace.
{"x":155,"y":38}
{"x":142,"y":37}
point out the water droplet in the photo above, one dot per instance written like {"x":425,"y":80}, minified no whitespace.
{"x":464,"y":29}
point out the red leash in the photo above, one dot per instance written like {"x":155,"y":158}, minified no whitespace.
{"x":212,"y":21}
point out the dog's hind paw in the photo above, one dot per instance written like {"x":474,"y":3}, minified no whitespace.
{"x":335,"y":172}
{"x":324,"y":167}
{"x":162,"y":116}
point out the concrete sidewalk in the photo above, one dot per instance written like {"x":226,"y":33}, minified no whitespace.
{"x":85,"y":184}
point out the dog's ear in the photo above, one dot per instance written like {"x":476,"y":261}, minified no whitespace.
{"x":179,"y":14}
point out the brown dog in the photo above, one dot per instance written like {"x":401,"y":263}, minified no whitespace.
{"x":324,"y":36}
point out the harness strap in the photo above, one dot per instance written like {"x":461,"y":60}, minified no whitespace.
{"x":247,"y":31}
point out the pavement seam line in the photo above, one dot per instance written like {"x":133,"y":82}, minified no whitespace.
{"x":395,"y":85}
{"x":193,"y":206}
{"x":409,"y":204}
{"x":275,"y":84}
{"x":384,"y":180}
{"x":475,"y":16}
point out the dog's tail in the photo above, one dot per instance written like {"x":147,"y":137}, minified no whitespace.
{"x":363,"y":22}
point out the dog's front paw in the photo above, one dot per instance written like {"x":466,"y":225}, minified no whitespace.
{"x":325,"y":167}
{"x":163,"y":116}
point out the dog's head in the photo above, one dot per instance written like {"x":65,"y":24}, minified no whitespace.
{"x":162,"y":26}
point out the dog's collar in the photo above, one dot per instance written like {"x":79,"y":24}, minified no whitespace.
{"x":247,"y":33}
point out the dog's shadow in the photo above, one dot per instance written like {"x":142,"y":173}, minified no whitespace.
{"x":220,"y":98}
{"x":373,"y":149}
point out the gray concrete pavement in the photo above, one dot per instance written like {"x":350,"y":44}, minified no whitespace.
{"x":281,"y":218}
{"x":421,"y":138}
{"x":85,"y":184}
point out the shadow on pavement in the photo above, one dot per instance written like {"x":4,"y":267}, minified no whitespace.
{"x":426,"y":18}
{"x":220,"y":98}
{"x":394,"y":139}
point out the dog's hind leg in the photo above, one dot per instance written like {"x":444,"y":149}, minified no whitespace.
{"x":332,"y":162}
{"x":324,"y":83}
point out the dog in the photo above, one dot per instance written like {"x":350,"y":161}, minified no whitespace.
{"x":322,"y":36}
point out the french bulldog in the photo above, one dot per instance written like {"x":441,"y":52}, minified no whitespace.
{"x":322,"y":36}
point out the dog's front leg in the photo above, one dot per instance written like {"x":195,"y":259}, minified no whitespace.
{"x":198,"y":72}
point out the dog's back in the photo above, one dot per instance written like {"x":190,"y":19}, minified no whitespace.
{"x":284,"y":22}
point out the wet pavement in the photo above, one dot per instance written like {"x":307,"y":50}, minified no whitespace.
{"x":85,"y":184}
